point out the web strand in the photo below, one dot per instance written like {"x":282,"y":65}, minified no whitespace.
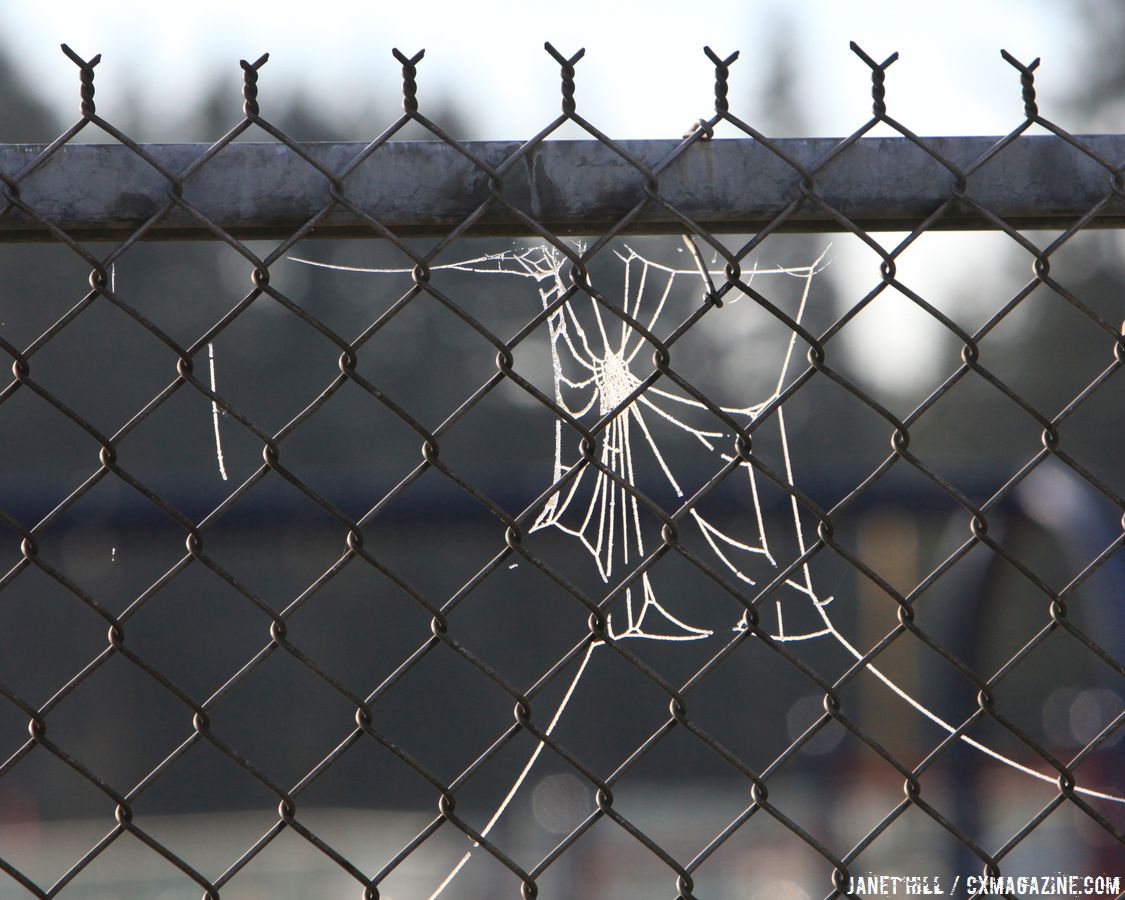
{"x":592,"y":376}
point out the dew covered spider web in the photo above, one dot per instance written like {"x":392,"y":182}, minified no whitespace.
{"x":593,"y":375}
{"x":596,"y":365}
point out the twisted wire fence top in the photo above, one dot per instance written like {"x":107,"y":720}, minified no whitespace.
{"x":729,"y":201}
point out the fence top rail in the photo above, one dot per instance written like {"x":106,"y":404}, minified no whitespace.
{"x":421,"y":188}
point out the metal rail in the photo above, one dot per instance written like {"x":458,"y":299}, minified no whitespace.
{"x":68,"y":194}
{"x":427,"y":188}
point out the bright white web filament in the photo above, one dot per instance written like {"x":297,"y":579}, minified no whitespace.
{"x":592,"y":356}
{"x":215,"y":413}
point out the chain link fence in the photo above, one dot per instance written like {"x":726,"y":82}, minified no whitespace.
{"x":767,"y":625}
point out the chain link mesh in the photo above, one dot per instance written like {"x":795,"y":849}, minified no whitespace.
{"x":506,"y":533}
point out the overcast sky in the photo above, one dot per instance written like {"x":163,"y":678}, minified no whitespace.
{"x":644,"y":74}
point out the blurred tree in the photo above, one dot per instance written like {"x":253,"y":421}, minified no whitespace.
{"x":25,"y":118}
{"x":782,"y":110}
{"x":1097,"y":96}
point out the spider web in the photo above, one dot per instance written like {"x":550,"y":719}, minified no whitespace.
{"x":593,"y":357}
{"x":601,"y":358}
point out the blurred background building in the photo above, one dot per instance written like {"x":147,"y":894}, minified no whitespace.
{"x":795,"y":78}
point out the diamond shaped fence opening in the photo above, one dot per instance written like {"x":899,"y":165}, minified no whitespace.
{"x":562,"y":518}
